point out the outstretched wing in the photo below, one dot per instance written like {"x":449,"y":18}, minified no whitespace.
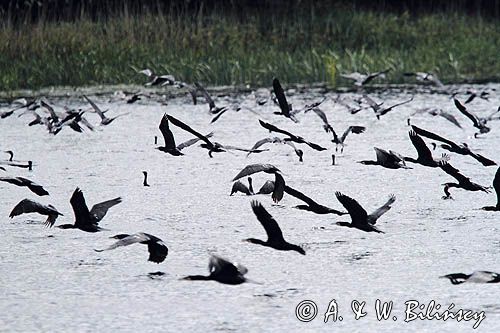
{"x":82,"y":214}
{"x":358,"y":213}
{"x":262,"y":142}
{"x":466,"y":113}
{"x":167,"y":133}
{"x":300,"y":196}
{"x":279,"y":187}
{"x":432,"y":136}
{"x":191,"y":142}
{"x":223,"y":267}
{"x":99,"y":210}
{"x":280,"y":95}
{"x":253,"y":168}
{"x":419,"y":144}
{"x":95,"y":107}
{"x":446,"y":167}
{"x":372,"y":218}
{"x":208,"y":98}
{"x":272,"y":228}
{"x":129,"y":240}
{"x":30,"y":206}
{"x":322,"y":116}
{"x":354,"y":129}
{"x":273,"y":128}
{"x":185,"y":127}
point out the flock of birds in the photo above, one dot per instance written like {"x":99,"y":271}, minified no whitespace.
{"x":220,"y":269}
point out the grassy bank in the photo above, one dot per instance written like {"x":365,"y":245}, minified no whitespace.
{"x":231,"y":49}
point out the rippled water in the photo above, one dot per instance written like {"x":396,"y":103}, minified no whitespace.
{"x":52,"y":280}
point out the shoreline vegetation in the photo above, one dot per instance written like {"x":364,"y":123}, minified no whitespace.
{"x":308,"y":45}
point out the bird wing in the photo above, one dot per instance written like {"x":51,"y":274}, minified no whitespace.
{"x":168,"y":137}
{"x":267,"y":188}
{"x":481,"y":159}
{"x":395,"y":105}
{"x":220,"y":266}
{"x":372,"y":218}
{"x":273,"y":128}
{"x":372,"y":103}
{"x":240,"y":187}
{"x":261,"y":142}
{"x":34,"y":187}
{"x":358,"y":213}
{"x":419,"y":144}
{"x":208,"y":98}
{"x":354,"y":129}
{"x":464,"y":111}
{"x":185,"y":127}
{"x":217,"y":116}
{"x":299,"y":195}
{"x":280,"y":95}
{"x":129,"y":240}
{"x":372,"y":76}
{"x":322,"y":115}
{"x":253,"y":168}
{"x":273,"y":231}
{"x":28,"y":206}
{"x":450,"y":118}
{"x":279,"y":187}
{"x":314,"y":146}
{"x":433,"y":136}
{"x":382,"y":155}
{"x":82,"y":214}
{"x":95,"y":107}
{"x":99,"y":210}
{"x":192,"y":141}
{"x":455,"y":173}
{"x":53,"y":114}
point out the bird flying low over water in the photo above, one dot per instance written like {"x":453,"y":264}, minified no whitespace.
{"x":275,"y":238}
{"x":104,"y":120}
{"x":475,"y":277}
{"x":359,"y":217}
{"x":279,"y":181}
{"x":362,"y":79}
{"x":212,"y":147}
{"x":29,"y":206}
{"x":478,"y":122}
{"x":424,"y":154}
{"x":222,"y":271}
{"x":277,"y":140}
{"x":496,"y":186}
{"x":463,"y":182}
{"x":462,"y":149}
{"x":88,"y":220}
{"x":437,"y":112}
{"x":158,"y":251}
{"x":168,"y":137}
{"x":291,"y":137}
{"x":157,"y":80}
{"x":211,"y":103}
{"x":311,"y":205}
{"x":340,"y":141}
{"x":426,"y":78}
{"x":378,"y":107}
{"x":21,"y":181}
{"x":387,"y":159}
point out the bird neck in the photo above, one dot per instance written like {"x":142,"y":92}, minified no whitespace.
{"x":345,"y":224}
{"x":66,"y":226}
{"x":197,"y":278}
{"x":256,"y":241}
{"x":368,"y":162}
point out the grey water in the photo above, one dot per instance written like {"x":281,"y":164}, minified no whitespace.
{"x":52,"y":280}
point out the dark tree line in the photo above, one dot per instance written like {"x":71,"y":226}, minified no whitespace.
{"x":67,"y":10}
